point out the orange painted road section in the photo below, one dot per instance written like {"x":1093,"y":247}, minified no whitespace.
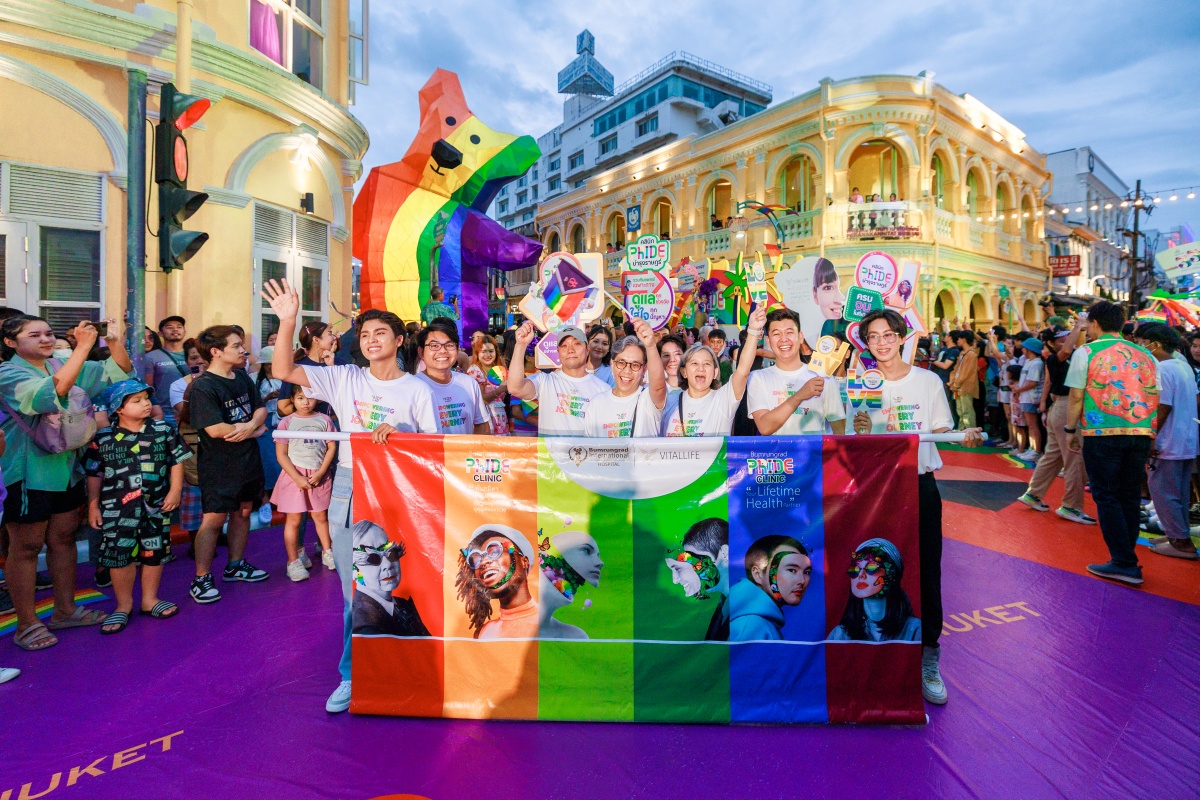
{"x":1044,"y":537}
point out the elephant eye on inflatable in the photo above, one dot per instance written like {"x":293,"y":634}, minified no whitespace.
{"x":425,"y":214}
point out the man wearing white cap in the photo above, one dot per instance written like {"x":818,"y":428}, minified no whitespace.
{"x":562,"y":395}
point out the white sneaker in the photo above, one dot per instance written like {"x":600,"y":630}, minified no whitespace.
{"x":339,"y":701}
{"x":327,"y":559}
{"x":1075,"y":515}
{"x":305,"y":560}
{"x":932,"y":686}
{"x":296,"y":571}
{"x":8,"y":673}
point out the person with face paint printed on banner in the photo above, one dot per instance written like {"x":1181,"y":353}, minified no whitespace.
{"x":778,"y":571}
{"x":563,"y":395}
{"x":702,"y":566}
{"x":566,"y":562}
{"x":375,"y":610}
{"x":914,"y":401}
{"x":494,"y":565}
{"x":699,"y":409}
{"x":789,"y":399}
{"x":630,"y":409}
{"x":379,"y":399}
{"x":458,"y":403}
{"x":878,"y":609}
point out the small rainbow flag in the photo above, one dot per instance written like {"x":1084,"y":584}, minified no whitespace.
{"x":44,"y":608}
{"x":497,"y":375}
{"x":558,"y":300}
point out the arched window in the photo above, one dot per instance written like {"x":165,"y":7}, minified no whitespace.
{"x":796,"y":189}
{"x":720,"y":200}
{"x":937,"y":189}
{"x":616,"y":230}
{"x":875,"y":169}
{"x":972,"y":195}
{"x":659,"y":222}
{"x":1003,"y":204}
{"x":1028,"y":221}
{"x":577,"y":240}
{"x":554,"y":245}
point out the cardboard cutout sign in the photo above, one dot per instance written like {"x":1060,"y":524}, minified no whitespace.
{"x":646,"y":290}
{"x":827,"y":355}
{"x":860,"y":302}
{"x":567,"y":292}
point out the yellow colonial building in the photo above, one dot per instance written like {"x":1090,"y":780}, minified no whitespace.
{"x":883,"y":162}
{"x":281,"y":76}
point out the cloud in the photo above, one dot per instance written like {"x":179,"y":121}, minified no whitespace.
{"x":1069,"y":74}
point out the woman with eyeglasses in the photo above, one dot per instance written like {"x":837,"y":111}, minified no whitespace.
{"x":915,"y":402}
{"x":699,"y":409}
{"x":630,"y":409}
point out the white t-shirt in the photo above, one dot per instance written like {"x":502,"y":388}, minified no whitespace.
{"x":176,"y":391}
{"x":711,"y":415}
{"x":563,"y":401}
{"x":915,"y":404}
{"x":458,"y":405}
{"x":363,"y":403}
{"x":612,"y":417}
{"x":770,"y":387}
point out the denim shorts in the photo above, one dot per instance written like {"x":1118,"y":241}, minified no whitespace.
{"x":1029,"y":408}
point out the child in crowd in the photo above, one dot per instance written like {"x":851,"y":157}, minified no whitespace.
{"x":135,"y":480}
{"x":307,"y":481}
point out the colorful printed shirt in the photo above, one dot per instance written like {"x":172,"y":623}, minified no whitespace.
{"x":135,"y":470}
{"x":1120,"y":387}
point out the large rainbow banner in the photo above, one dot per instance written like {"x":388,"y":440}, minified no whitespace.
{"x":761,"y":580}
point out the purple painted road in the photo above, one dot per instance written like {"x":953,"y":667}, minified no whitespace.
{"x":1096,"y":696}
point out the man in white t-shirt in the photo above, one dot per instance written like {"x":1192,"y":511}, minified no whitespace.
{"x":378,"y":399}
{"x":914,"y":401}
{"x":562,"y":395}
{"x":458,"y":403}
{"x":789,"y":399}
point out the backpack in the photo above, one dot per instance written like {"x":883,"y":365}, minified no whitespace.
{"x":60,"y":431}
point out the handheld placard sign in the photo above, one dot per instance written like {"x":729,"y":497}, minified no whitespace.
{"x":827,"y":356}
{"x":865,"y":394}
{"x":646,"y":290}
{"x":567,"y":292}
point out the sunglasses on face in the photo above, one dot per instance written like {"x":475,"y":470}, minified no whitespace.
{"x":871,"y":569}
{"x":375,"y":557}
{"x":490,"y":553}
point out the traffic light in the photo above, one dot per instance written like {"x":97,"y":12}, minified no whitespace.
{"x":177,"y":113}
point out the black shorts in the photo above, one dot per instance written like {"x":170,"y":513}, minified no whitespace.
{"x":145,"y":543}
{"x":221,"y":497}
{"x":32,"y":506}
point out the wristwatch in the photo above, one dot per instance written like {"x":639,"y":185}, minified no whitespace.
{"x":1068,"y":430}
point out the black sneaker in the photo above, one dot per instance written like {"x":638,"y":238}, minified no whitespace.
{"x":243,"y":571}
{"x":103,"y":578}
{"x":203,"y":590}
{"x":42,"y":582}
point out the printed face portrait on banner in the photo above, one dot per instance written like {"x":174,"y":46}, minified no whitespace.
{"x":878,"y":608}
{"x":493,"y":584}
{"x":566,"y":562}
{"x":812,"y":289}
{"x":375,"y":610}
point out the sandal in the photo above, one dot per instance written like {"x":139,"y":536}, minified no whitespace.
{"x":118,"y":618}
{"x":82,"y":618}
{"x":36,"y":637}
{"x":163,"y":609}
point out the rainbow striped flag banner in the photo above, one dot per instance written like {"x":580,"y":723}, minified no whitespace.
{"x":767,"y":580}
{"x":44,"y":608}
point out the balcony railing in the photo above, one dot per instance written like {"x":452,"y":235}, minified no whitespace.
{"x":799,"y":226}
{"x":717,"y":241}
{"x":613,"y":260}
{"x":976,"y":231}
{"x":943,"y":224}
{"x":887,"y":220}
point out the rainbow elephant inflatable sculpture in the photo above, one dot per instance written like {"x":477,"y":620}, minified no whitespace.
{"x":421,"y":220}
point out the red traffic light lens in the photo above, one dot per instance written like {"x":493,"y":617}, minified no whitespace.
{"x":181,"y":159}
{"x":189,"y":115}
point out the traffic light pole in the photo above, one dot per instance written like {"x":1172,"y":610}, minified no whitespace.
{"x":135,"y":228}
{"x":1135,"y":292}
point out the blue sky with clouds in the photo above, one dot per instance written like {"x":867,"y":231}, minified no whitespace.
{"x":1121,"y":77}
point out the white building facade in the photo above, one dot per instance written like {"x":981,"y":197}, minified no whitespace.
{"x":1085,"y":216}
